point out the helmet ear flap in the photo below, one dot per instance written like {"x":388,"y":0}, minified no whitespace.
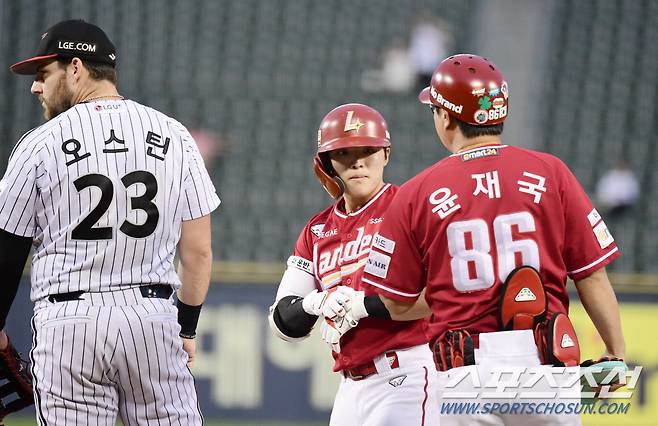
{"x":333,"y":184}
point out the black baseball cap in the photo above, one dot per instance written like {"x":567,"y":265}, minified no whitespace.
{"x":69,"y":39}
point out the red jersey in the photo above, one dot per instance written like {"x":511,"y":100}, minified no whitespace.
{"x":462,"y":225}
{"x":334,"y":247}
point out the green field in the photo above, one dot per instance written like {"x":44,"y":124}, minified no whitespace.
{"x":25,"y":421}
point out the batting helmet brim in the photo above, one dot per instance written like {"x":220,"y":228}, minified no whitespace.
{"x":424,"y":96}
{"x":354,"y":141}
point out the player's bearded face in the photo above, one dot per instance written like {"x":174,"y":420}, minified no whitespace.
{"x":53,"y":91}
{"x":361,"y":168}
{"x":58,"y":101}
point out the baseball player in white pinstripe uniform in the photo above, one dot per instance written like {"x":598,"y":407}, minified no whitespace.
{"x":105,"y":191}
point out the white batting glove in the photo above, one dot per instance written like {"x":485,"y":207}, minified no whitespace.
{"x":356,"y":303}
{"x":332,"y":331}
{"x":329,"y":304}
{"x":337,"y":303}
{"x":313,"y":302}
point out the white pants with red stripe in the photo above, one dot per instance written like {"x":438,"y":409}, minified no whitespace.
{"x":515,"y":354}
{"x":394,"y":396}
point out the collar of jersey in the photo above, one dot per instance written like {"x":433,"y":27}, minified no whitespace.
{"x":366,"y":205}
{"x":497,"y":145}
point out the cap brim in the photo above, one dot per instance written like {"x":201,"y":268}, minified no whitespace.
{"x":424,"y":96}
{"x":31,"y":66}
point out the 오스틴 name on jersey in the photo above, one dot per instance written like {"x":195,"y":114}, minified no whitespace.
{"x":114,"y":145}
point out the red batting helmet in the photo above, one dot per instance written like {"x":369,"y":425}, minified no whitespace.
{"x":346,"y":126}
{"x":470,"y":88}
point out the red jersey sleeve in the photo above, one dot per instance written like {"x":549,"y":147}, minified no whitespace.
{"x":588,"y":243}
{"x":394,"y":267}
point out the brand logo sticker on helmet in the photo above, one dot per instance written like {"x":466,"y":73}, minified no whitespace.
{"x":349,"y":125}
{"x":446,"y":103}
{"x":498,"y":103}
{"x":478,"y":92}
{"x":480,"y":116}
{"x":485,"y":102}
{"x":494,"y":92}
{"x":319,"y":137}
{"x":503,"y":89}
{"x":495,"y":114}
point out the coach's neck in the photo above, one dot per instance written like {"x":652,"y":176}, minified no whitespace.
{"x":84,"y":87}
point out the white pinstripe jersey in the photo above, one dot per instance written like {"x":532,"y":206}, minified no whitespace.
{"x":103,"y":189}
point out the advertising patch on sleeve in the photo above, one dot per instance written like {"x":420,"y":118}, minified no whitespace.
{"x":301,"y":263}
{"x":383,"y":244}
{"x":377,"y":264}
{"x":603,"y":235}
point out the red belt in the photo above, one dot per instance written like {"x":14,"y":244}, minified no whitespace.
{"x":366,"y":370}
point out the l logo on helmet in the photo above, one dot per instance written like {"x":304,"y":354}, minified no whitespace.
{"x":352,"y":126}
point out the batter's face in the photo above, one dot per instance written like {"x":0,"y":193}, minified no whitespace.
{"x":361,"y":168}
{"x":51,"y":86}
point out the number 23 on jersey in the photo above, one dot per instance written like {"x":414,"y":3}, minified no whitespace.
{"x":86,"y":229}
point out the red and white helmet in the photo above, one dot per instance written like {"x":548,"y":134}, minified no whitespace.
{"x":470,"y":88}
{"x":349,"y":125}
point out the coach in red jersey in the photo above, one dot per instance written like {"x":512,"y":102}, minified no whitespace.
{"x":459,"y":228}
{"x":387,"y":366}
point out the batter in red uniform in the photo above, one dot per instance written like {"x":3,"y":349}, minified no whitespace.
{"x":388,"y":375}
{"x":461,"y":226}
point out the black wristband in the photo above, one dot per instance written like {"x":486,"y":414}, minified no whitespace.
{"x":375,"y":307}
{"x":188,"y":318}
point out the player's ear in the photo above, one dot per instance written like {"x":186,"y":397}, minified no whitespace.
{"x":387,"y":155}
{"x":75,"y":68}
{"x":448,"y":122}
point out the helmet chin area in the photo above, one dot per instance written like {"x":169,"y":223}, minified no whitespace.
{"x":333,"y":184}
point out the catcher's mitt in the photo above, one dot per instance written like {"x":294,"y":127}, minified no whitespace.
{"x":16,"y":391}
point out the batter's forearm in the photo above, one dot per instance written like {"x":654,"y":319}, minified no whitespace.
{"x":600,"y":303}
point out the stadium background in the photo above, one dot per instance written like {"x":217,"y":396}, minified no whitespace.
{"x":253,"y":78}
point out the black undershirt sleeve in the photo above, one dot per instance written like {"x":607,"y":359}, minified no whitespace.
{"x":375,"y":307}
{"x":291,"y":318}
{"x":14,"y":251}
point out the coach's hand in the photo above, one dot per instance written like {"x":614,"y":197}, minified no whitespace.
{"x":600,"y":370}
{"x":189,"y":346}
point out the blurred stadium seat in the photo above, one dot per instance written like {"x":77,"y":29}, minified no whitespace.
{"x":601,"y":82}
{"x":262,"y":74}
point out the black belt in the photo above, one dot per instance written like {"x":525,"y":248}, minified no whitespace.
{"x":151,"y":291}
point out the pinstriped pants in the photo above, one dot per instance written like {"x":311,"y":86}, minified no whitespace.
{"x":107,"y":354}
